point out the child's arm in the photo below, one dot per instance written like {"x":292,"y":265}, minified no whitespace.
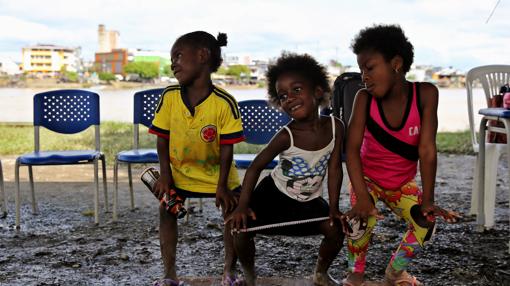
{"x":165,"y":180}
{"x":364,"y":206}
{"x":335,"y":174}
{"x":280,"y":142}
{"x":428,"y":152}
{"x":224,"y":197}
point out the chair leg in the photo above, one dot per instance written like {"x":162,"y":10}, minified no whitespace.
{"x":105,"y":190}
{"x":96,"y":194}
{"x":115,"y":188}
{"x":200,"y":204}
{"x":492,"y":155}
{"x":186,"y":205}
{"x":17,"y":198}
{"x":35,"y":209}
{"x":131,"y":195}
{"x":474,"y":191}
{"x":2,"y":191}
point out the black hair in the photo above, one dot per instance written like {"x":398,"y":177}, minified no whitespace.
{"x":389,"y":40}
{"x":201,"y":39}
{"x":304,"y":65}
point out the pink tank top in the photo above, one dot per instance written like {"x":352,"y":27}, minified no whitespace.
{"x":389,"y":156}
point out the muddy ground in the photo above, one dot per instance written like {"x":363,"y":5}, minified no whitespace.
{"x":62,"y":246}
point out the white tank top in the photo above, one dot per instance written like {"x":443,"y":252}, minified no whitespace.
{"x":300,"y":173}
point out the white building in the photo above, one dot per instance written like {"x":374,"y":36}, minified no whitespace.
{"x":48,"y":60}
{"x":8,"y":67}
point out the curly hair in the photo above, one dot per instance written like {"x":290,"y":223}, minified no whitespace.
{"x":389,"y":40}
{"x":201,"y":39}
{"x":304,"y":65}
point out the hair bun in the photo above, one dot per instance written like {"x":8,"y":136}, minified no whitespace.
{"x":222,"y":39}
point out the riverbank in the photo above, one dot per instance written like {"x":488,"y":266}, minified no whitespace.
{"x":51,"y":83}
{"x":62,"y":246}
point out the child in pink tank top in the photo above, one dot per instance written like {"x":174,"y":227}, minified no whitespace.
{"x":393,"y":126}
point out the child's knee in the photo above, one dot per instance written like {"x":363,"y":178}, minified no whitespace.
{"x":243,"y":238}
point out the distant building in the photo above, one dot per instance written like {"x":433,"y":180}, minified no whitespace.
{"x":236,"y":60}
{"x":162,"y":59}
{"x":108,"y":39}
{"x":48,"y":60}
{"x":112,"y":61}
{"x":8,"y":67}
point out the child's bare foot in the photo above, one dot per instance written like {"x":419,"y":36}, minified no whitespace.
{"x":400,"y":278}
{"x":232,"y":280}
{"x":353,"y":279}
{"x":324,"y":279}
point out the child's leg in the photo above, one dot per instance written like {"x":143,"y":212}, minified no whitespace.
{"x":168,"y":241}
{"x":230,"y":254}
{"x":329,"y":249}
{"x":406,"y":204}
{"x":357,"y":247}
{"x":245,"y":248}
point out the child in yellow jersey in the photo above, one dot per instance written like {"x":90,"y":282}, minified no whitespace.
{"x":197,"y":125}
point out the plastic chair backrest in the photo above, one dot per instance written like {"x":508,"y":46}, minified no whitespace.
{"x":260,"y":120}
{"x":492,"y":77}
{"x":66,"y":111}
{"x":344,"y":91}
{"x":145,"y":103}
{"x":345,"y":88}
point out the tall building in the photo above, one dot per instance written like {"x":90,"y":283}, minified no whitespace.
{"x":108,"y":39}
{"x":112,"y":61}
{"x":48,"y":60}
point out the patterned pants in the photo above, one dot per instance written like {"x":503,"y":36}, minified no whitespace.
{"x":404,"y":202}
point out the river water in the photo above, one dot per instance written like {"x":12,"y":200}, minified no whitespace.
{"x":117,"y":105}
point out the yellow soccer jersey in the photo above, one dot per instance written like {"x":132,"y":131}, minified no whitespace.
{"x":195,"y":136}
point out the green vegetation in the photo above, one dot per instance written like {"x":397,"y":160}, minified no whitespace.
{"x":167,"y":70}
{"x":237,"y":71}
{"x":146,"y":70}
{"x":454,"y":142}
{"x":68,"y":76}
{"x":116,"y":136}
{"x":106,"y":76}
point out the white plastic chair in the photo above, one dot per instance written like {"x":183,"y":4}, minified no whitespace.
{"x":492,"y":77}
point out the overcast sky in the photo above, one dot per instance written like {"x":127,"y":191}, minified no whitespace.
{"x":443,"y":32}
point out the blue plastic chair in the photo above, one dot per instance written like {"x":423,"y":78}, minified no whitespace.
{"x":261,"y":122}
{"x":2,"y":192}
{"x":145,"y":103}
{"x":64,"y":112}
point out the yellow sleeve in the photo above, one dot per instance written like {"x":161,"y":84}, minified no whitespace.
{"x":231,"y":126}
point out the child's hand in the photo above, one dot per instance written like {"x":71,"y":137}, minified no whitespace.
{"x":238,"y":219}
{"x":430,"y":211}
{"x":362,"y":210}
{"x":162,"y":186}
{"x":225,"y":199}
{"x":336,"y":215}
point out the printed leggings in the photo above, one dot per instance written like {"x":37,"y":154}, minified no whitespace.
{"x":404,"y":202}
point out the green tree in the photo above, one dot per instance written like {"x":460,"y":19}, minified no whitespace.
{"x":238,"y":71}
{"x":68,"y":76}
{"x":146,"y":70}
{"x":222,"y":70}
{"x":106,"y":76}
{"x":167,"y":70}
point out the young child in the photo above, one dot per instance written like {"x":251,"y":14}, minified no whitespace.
{"x":392,"y":127}
{"x":309,"y":148}
{"x":197,"y":124}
